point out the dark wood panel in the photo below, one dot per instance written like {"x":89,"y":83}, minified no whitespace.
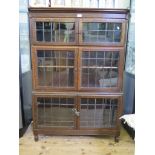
{"x":86,"y":13}
{"x":77,"y":132}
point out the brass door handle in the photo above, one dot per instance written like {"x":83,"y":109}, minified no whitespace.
{"x":77,"y":113}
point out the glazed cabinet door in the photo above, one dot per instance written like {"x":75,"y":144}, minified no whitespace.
{"x":47,"y":31}
{"x":54,"y":68}
{"x":54,"y":111}
{"x":102,"y":32}
{"x":101,"y":69}
{"x":99,"y":111}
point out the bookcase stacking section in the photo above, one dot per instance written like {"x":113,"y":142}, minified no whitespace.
{"x":77,"y":70}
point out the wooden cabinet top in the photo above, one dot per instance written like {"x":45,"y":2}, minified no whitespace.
{"x":64,"y":12}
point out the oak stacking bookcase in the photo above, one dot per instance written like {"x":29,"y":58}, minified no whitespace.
{"x":77,"y":70}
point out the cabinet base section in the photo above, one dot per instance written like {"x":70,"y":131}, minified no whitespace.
{"x":90,"y":132}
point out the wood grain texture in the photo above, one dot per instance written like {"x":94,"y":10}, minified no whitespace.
{"x":78,"y":46}
{"x":78,"y":145}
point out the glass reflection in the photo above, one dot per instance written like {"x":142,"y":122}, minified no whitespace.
{"x":55,"y":31}
{"x":99,"y":69}
{"x":101,"y":32}
{"x":55,"y":68}
{"x":49,"y":109}
{"x":98,"y":112}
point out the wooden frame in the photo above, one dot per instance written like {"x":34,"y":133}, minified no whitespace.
{"x":34,"y":67}
{"x":33,"y":30}
{"x":120,"y":68}
{"x":77,"y":130}
{"x":54,"y":95}
{"x":99,"y":20}
{"x":77,"y":15}
{"x":72,"y":13}
{"x":77,"y":67}
{"x":119,"y":111}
